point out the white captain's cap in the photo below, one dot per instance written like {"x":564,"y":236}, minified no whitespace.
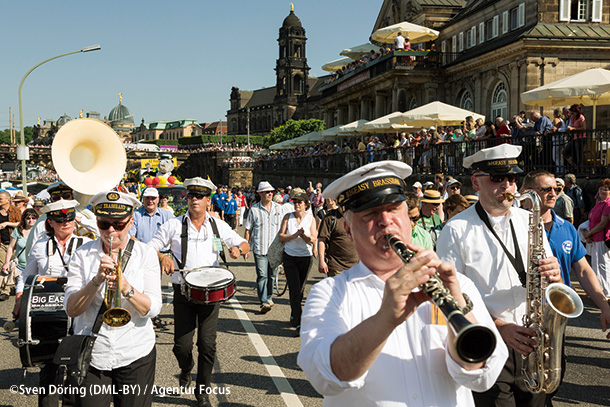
{"x":371,"y":185}
{"x":501,"y":159}
{"x":61,"y":211}
{"x":199,"y":185}
{"x":113,"y":204}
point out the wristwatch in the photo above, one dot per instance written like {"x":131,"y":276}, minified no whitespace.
{"x":130,"y":293}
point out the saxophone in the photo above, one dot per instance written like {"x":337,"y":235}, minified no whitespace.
{"x":548,"y":307}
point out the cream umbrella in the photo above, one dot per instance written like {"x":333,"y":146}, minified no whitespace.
{"x":359,"y":50}
{"x":590,"y":88}
{"x":331,"y":132}
{"x":435,"y":114}
{"x":352,"y":128}
{"x":283,"y":145}
{"x":383,"y":125}
{"x":334,"y":66}
{"x":416,"y":33}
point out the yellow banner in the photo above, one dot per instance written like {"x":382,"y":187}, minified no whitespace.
{"x":154,"y":162}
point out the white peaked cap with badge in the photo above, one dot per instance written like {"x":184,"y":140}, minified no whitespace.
{"x":60,"y":210}
{"x":500,"y":159}
{"x":113,"y":204}
{"x":371,"y":185}
{"x":199,"y":185}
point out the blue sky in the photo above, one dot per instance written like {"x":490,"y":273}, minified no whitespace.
{"x":170,"y":59}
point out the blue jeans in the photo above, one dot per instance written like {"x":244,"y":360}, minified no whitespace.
{"x":265,"y":278}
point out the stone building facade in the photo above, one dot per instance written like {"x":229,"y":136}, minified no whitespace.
{"x":490,"y":52}
{"x":166,"y":130}
{"x":294,"y":95}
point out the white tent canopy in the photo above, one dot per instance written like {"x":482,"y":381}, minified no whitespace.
{"x":331,"y":132}
{"x":416,"y":33}
{"x":590,"y":88}
{"x":359,"y":50}
{"x":435,"y":114}
{"x":383,"y":125}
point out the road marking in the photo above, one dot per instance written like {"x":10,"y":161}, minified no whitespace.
{"x":280,"y":381}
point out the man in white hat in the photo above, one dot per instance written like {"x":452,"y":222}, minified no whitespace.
{"x":368,"y":335}
{"x":123,"y":354}
{"x":203,"y":236}
{"x":417,"y":189}
{"x":262,"y":225}
{"x":148,"y":218}
{"x":488,"y":243}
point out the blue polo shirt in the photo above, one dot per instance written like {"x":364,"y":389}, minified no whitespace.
{"x":565,"y":244}
{"x":145,"y":226}
{"x":230,"y":206}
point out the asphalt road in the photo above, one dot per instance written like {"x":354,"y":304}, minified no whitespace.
{"x":257,"y":354}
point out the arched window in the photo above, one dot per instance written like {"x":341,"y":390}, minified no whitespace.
{"x":402,"y":100}
{"x":298,"y":85}
{"x":413,"y":104}
{"x":466,"y":102}
{"x":499,"y":101}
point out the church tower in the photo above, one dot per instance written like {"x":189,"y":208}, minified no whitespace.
{"x":291,"y":67}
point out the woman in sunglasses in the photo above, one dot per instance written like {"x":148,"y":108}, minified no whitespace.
{"x":50,"y":257}
{"x":16,"y":246}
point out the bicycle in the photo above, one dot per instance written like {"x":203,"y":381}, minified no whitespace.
{"x":280,"y":281}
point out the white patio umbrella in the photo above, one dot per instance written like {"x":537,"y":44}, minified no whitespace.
{"x":351,"y":128}
{"x":383,"y":125}
{"x":416,"y":33}
{"x":435,"y":114}
{"x":334,"y":66}
{"x":331,"y":132}
{"x":359,"y":50}
{"x":590,"y":88}
{"x":282,"y":145}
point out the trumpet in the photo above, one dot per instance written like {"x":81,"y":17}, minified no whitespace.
{"x":474,"y":343}
{"x":115,"y":315}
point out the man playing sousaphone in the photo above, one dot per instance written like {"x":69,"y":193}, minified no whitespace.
{"x":121,"y":354}
{"x":83,"y":217}
{"x":195,"y":240}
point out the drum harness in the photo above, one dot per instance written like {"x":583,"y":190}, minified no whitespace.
{"x":70,"y":249}
{"x":184,"y":239}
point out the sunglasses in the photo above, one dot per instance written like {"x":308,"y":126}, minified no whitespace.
{"x":31,"y":218}
{"x":497,"y":178}
{"x":546,"y":190}
{"x":66,"y":195}
{"x":191,"y":195}
{"x":118,"y":226}
{"x":62,"y":220}
{"x":414,"y":219}
{"x":454,"y":187}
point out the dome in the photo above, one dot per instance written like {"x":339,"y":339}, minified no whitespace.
{"x":120,"y":114}
{"x":292,"y":20}
{"x":63,"y":120}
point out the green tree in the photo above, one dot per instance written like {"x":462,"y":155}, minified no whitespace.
{"x":28,"y":133}
{"x":293,"y":129}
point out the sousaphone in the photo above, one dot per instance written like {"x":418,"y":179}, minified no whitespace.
{"x":89,"y":157}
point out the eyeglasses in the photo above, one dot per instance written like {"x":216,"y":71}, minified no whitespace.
{"x":66,"y":195}
{"x":192,"y":195}
{"x":546,"y":190}
{"x":497,"y":178}
{"x":118,"y":226}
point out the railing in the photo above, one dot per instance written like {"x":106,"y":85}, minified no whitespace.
{"x":583,"y":153}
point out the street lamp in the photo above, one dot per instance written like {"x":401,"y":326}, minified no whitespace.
{"x":22,"y":141}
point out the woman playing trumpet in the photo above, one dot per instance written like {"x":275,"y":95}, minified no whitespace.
{"x":50,"y":257}
{"x":121,"y":354}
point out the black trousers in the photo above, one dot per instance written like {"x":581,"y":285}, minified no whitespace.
{"x":138,"y":378}
{"x":189,"y":316}
{"x":230,"y":219}
{"x":296,"y":269}
{"x":509,"y":390}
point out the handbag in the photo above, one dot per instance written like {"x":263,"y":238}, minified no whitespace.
{"x":73,"y":357}
{"x":275,"y":253}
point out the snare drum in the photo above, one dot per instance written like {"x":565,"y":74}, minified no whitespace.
{"x":42,"y":319}
{"x":208,"y":285}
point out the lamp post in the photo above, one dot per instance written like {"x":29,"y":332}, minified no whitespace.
{"x":22,"y":141}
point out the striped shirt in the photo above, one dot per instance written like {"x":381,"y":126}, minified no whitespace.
{"x":263,"y":226}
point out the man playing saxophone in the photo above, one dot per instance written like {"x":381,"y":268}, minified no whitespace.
{"x":488,"y":242}
{"x":122,"y":355}
{"x":371,"y":336}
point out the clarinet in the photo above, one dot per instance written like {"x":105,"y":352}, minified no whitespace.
{"x":474,"y":343}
